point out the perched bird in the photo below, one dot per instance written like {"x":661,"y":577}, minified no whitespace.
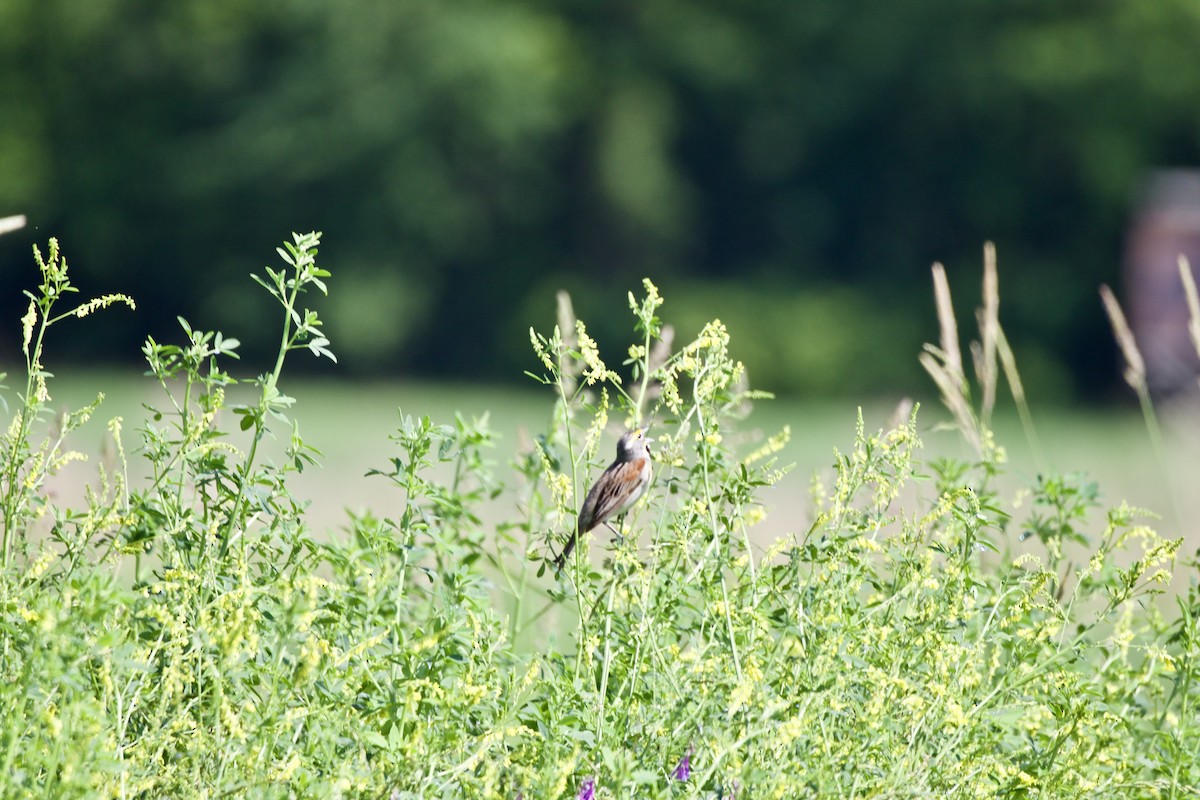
{"x":616,"y":490}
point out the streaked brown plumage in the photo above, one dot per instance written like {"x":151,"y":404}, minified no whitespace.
{"x":616,"y":490}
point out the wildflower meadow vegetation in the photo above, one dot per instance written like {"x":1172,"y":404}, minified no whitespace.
{"x":922,"y":634}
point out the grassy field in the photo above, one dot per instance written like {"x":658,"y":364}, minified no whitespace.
{"x":350,"y":423}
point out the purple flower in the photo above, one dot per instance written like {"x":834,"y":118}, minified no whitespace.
{"x":588,"y":790}
{"x":683,"y":769}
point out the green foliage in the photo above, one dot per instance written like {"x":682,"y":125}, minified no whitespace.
{"x":921,"y":637}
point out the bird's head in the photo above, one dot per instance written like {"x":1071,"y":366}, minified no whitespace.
{"x":634,"y":443}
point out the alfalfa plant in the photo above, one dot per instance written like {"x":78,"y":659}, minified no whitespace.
{"x":24,"y":467}
{"x":207,"y":495}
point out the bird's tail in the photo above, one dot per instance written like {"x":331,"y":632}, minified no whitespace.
{"x":561,"y":561}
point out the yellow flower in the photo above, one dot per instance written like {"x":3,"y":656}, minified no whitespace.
{"x":791,"y":730}
{"x":103,"y":301}
{"x":27,"y":323}
{"x":739,"y":697}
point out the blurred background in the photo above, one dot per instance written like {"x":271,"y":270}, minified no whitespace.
{"x":792,"y":168}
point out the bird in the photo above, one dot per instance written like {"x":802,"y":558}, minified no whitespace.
{"x":616,"y":490}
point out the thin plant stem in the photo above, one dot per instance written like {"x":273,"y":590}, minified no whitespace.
{"x":607,"y":665}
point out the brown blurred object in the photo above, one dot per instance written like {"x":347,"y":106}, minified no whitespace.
{"x":1165,"y":225}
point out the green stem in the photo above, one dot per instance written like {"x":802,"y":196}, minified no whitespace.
{"x":712,"y":516}
{"x":516,"y":626}
{"x":16,"y":456}
{"x":608,"y":615}
{"x":1156,"y":444}
{"x":185,"y":441}
{"x":268,"y":387}
{"x":577,"y":561}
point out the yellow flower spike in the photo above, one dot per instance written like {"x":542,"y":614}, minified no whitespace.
{"x":104,"y":301}
{"x":739,"y":697}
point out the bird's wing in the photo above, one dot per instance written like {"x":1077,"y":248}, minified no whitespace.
{"x":612,"y":494}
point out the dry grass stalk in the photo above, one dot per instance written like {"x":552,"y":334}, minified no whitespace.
{"x":1135,"y":376}
{"x":1193,"y":301}
{"x":989,"y":326}
{"x":661,"y":352}
{"x":1009,"y":363}
{"x":950,"y":385}
{"x":901,"y":413}
{"x":571,"y":368}
{"x":949,"y":325}
{"x":1135,"y":366}
{"x":944,"y":364}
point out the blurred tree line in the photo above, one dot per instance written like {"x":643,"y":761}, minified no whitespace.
{"x":792,"y":167}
